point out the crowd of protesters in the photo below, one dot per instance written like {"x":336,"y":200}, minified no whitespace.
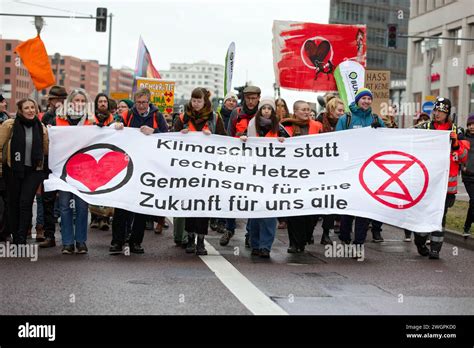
{"x":24,"y":143}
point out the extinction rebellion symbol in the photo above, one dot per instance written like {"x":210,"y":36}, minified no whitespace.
{"x":395,"y":179}
{"x":98,"y":168}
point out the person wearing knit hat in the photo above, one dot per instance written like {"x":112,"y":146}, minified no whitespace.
{"x":230,"y":103}
{"x":265,"y":124}
{"x":128,"y":104}
{"x":360,"y":116}
{"x":363,"y":92}
{"x":470,"y":120}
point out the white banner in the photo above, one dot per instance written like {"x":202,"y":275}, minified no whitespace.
{"x":229,"y":68}
{"x":397,"y":176}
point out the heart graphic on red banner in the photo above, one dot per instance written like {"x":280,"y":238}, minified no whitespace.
{"x":92,"y":174}
{"x":168,"y":110}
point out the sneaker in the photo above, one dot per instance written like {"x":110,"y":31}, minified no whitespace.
{"x":115,"y":249}
{"x":136,"y":248}
{"x":68,"y":249}
{"x":466,"y":234}
{"x":166,"y":225}
{"x":295,"y":250}
{"x":47,"y":243}
{"x":225,"y":239}
{"x":255,"y":252}
{"x":264,"y":253}
{"x":247,"y":242}
{"x":200,"y":248}
{"x":377,"y":237}
{"x":407,"y":236}
{"x":81,"y":248}
{"x":423,"y":250}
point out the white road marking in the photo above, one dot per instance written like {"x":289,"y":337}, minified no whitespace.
{"x":242,"y":288}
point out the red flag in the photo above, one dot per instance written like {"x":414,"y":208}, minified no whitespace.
{"x":35,"y":58}
{"x":305,"y":55}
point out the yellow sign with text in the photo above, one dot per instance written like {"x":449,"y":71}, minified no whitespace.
{"x":162,"y":92}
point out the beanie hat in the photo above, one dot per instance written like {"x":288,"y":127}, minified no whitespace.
{"x":470,"y":119}
{"x":58,"y":92}
{"x":267,"y":101}
{"x":230,"y":95}
{"x":128,"y":102}
{"x":363,"y":92}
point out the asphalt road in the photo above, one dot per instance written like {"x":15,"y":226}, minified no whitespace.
{"x":392,"y":279}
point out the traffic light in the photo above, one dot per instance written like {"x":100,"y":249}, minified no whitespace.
{"x":101,"y":20}
{"x":392,"y":35}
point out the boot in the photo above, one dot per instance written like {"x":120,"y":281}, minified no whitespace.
{"x":200,"y":248}
{"x":420,"y":242}
{"x":191,"y":246}
{"x":325,"y":238}
{"x":435,"y":250}
{"x":39,"y":233}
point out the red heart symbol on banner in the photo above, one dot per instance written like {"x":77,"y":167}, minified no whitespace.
{"x":92,"y":174}
{"x":168,"y":110}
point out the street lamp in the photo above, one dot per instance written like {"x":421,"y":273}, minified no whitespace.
{"x":39,"y":22}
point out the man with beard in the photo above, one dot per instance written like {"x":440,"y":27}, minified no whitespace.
{"x":102,"y":117}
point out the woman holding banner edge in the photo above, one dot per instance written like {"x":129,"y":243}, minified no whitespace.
{"x":198,"y":117}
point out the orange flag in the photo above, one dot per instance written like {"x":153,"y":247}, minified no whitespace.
{"x":35,"y":58}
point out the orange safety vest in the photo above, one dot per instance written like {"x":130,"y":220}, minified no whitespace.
{"x":127,"y":117}
{"x":241,"y":125}
{"x":189,"y":125}
{"x":315,"y":127}
{"x":64,"y":122}
{"x":107,"y":122}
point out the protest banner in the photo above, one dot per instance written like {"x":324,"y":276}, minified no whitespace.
{"x":305,"y":55}
{"x":397,"y":177}
{"x":162,"y":92}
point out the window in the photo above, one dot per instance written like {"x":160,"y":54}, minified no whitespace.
{"x":8,"y":59}
{"x":454,"y":97}
{"x":8,"y":47}
{"x":83,"y":86}
{"x":62,"y":61}
{"x":417,"y":100}
{"x":455,"y":45}
{"x":7,"y":71}
{"x":7,"y":81}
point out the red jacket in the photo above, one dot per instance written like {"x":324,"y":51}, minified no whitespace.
{"x":458,"y":156}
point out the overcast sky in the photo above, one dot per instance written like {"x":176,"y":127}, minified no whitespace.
{"x":175,"y":31}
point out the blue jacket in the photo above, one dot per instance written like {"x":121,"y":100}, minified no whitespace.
{"x":359,"y":118}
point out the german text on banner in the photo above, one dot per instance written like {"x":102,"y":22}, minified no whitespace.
{"x":397,"y":177}
{"x":305,"y":55}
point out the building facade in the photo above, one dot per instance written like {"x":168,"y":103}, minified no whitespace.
{"x":190,"y":76}
{"x":15,"y":81}
{"x":121,"y":80}
{"x":442,"y":67}
{"x":70,"y":72}
{"x":376,"y":15}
